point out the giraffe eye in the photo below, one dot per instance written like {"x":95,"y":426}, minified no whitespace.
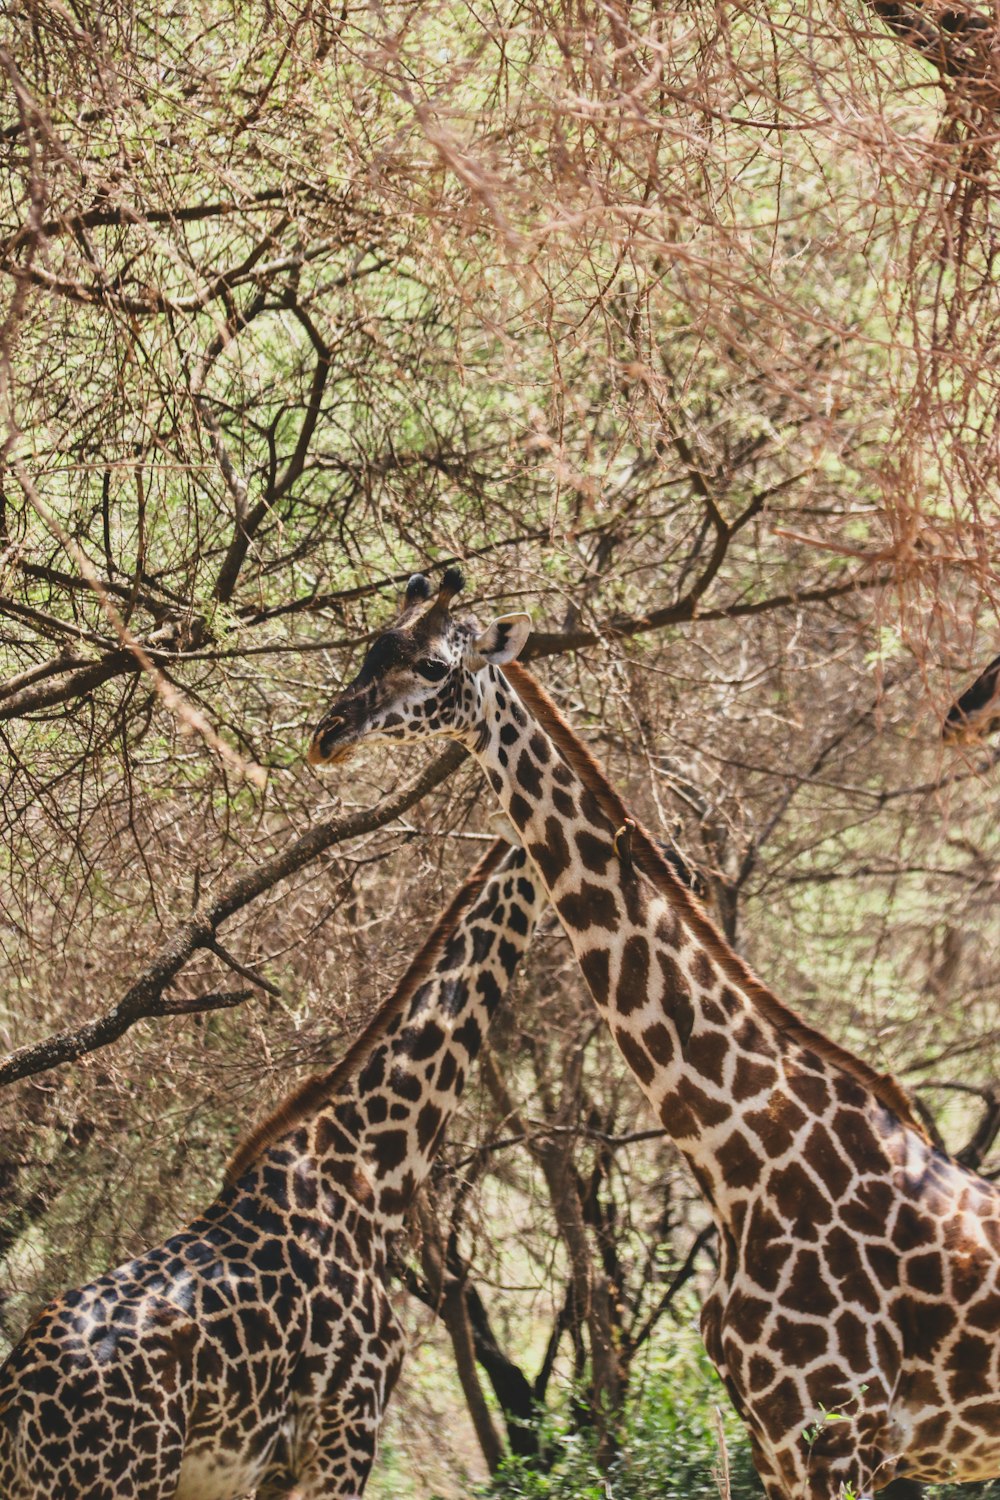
{"x":429,"y":668}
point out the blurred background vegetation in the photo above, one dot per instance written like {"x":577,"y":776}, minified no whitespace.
{"x":678,"y":327}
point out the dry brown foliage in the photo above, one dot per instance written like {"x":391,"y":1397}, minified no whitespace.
{"x":679,"y":327}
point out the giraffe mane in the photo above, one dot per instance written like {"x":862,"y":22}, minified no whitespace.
{"x":886,"y":1089}
{"x":322,"y":1087}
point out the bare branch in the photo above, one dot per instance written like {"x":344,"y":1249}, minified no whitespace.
{"x":145,"y":995}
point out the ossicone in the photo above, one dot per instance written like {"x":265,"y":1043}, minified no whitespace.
{"x":418,"y":589}
{"x":452,"y":583}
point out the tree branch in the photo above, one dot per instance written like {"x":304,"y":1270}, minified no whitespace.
{"x":683,"y":611}
{"x":540,"y":644}
{"x":145,"y":997}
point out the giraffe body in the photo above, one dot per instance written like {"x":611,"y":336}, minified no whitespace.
{"x":254,"y":1351}
{"x":218,"y":1363}
{"x":856,"y":1316}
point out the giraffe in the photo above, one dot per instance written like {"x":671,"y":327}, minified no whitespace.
{"x":855,"y":1318}
{"x":255,"y":1349}
{"x":976,"y":713}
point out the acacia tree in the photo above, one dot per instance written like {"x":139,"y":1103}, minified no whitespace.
{"x":676,"y":328}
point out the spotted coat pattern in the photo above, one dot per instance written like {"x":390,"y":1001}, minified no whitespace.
{"x":860,"y":1269}
{"x":255,"y":1350}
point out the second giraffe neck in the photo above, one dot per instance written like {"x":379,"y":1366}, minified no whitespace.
{"x":373,"y":1135}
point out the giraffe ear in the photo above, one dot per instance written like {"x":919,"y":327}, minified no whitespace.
{"x":501,"y":641}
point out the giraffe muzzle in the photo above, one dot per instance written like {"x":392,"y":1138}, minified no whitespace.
{"x":330,"y":746}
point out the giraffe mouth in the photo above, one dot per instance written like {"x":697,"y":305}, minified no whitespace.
{"x":961,"y":732}
{"x":335,"y":758}
{"x":328,"y":746}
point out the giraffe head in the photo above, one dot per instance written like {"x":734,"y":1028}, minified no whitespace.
{"x":420,"y":676}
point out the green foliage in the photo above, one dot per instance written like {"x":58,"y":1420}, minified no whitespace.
{"x":669,"y":1443}
{"x":669,"y":1448}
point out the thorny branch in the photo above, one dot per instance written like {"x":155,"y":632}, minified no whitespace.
{"x":145,"y":996}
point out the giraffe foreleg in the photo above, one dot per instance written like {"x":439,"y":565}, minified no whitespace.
{"x":774,"y":1486}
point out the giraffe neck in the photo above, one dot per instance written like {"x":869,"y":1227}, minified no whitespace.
{"x":710,"y":1059}
{"x":375,"y":1135}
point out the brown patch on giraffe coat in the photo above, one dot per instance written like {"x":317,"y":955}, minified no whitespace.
{"x":428,"y":1123}
{"x":701,"y":970}
{"x":634,"y":1055}
{"x":590,"y":906}
{"x":969,"y":1274}
{"x":850,"y":1271}
{"x":807,"y":1291}
{"x":520,"y":810}
{"x":682,"y":1123}
{"x":693,"y":1100}
{"x":712,"y":1013}
{"x":541,"y":747}
{"x":783,"y":1407}
{"x":446,"y":1071}
{"x":667,"y":929}
{"x":528,"y":775}
{"x":812,"y":1089}
{"x":740,"y":1164}
{"x":596,"y":967}
{"x":735,"y":1364}
{"x":852,"y":1340}
{"x":706,"y":1053}
{"x":827,"y":1387}
{"x":991,"y":1228}
{"x":912,"y":1229}
{"x":393,"y":1201}
{"x":562,"y":774}
{"x":776,"y":1126}
{"x":745,"y":1316}
{"x":635,"y":894}
{"x":590,"y":808}
{"x":870,"y":1203}
{"x":969,"y":1366}
{"x":552,"y":855}
{"x":659,"y":1043}
{"x":799,"y":1200}
{"x":676,"y":1000}
{"x":884,"y":1262}
{"x":760,"y":1371}
{"x":854,"y":1131}
{"x":925,"y":1273}
{"x":751,"y":1078}
{"x":985,"y":1414}
{"x":348,"y":1175}
{"x":797,"y":1342}
{"x":596,"y":853}
{"x":766,"y":1246}
{"x":985,"y":1314}
{"x":934,"y":1429}
{"x":388,"y":1149}
{"x":564,"y":804}
{"x":331,"y":1138}
{"x":849,"y":1090}
{"x":633,"y":977}
{"x":748,"y":1034}
{"x":827,"y":1162}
